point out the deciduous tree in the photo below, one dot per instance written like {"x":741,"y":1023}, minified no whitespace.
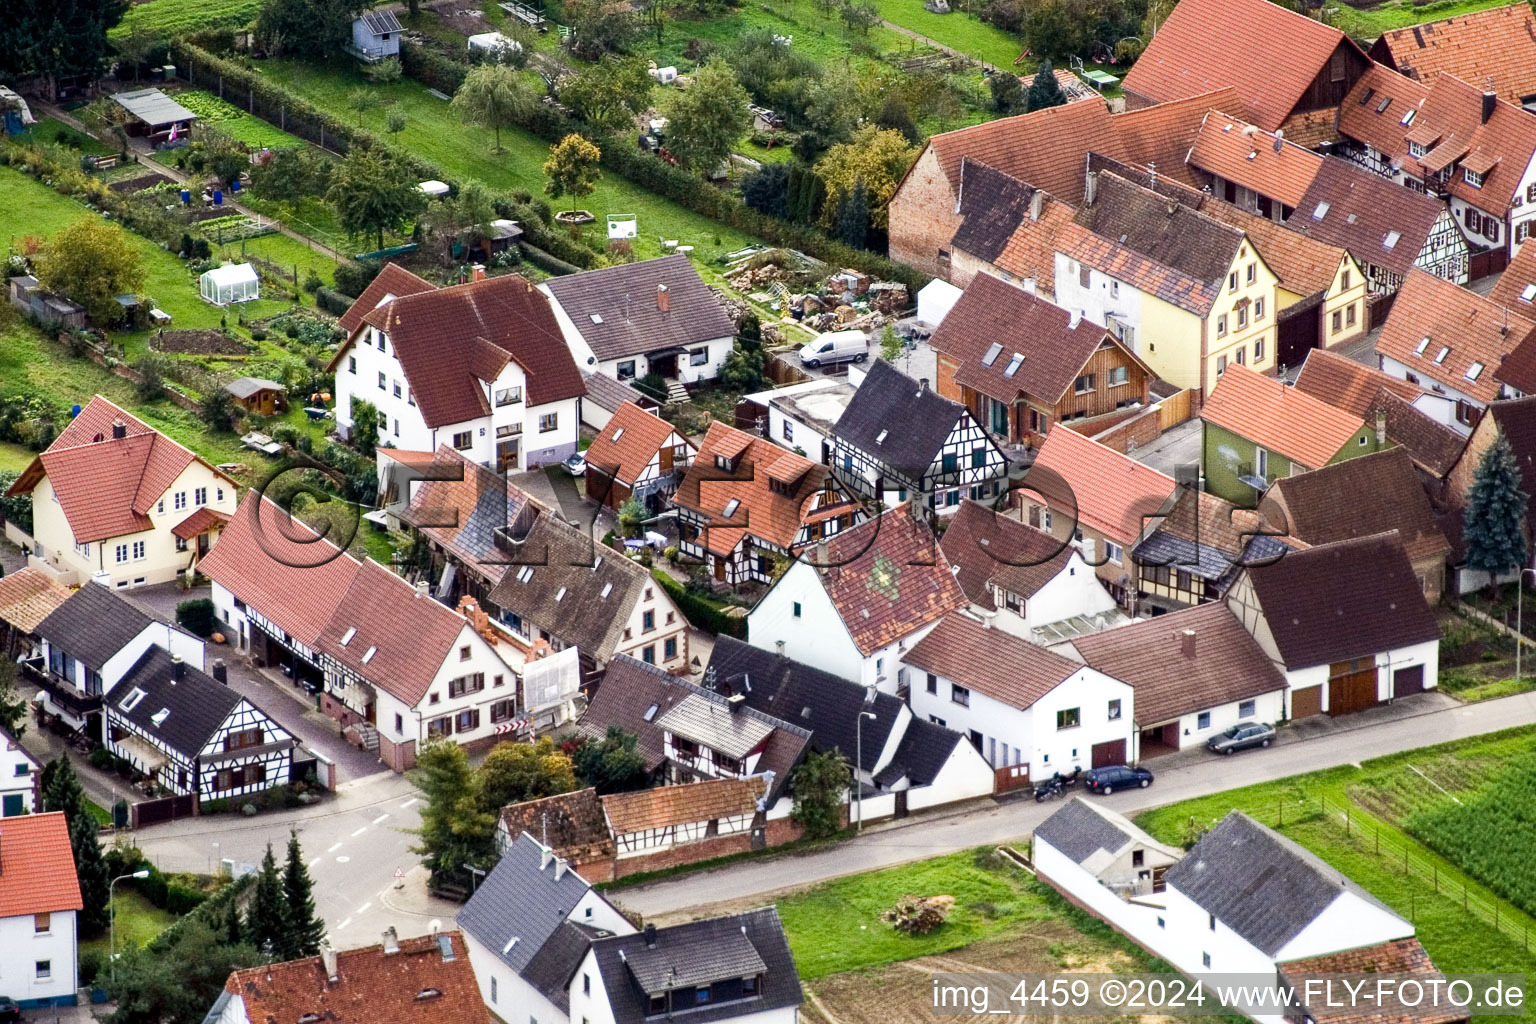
{"x":1495,"y":517}
{"x":1007,"y":93}
{"x":878,"y":157}
{"x":371,"y":193}
{"x":610,"y":94}
{"x":455,"y":833}
{"x":361,"y":100}
{"x":92,"y":262}
{"x":514,"y":772}
{"x":572,"y":168}
{"x":820,"y":786}
{"x":612,"y":764}
{"x":706,"y":120}
{"x":493,"y":96}
{"x":309,"y":28}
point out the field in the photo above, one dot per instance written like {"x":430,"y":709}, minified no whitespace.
{"x":175,"y":17}
{"x":1368,"y":24}
{"x":138,"y":921}
{"x":962,"y":32}
{"x":234,"y":122}
{"x":13,"y":457}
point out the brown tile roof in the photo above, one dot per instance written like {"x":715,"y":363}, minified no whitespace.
{"x":1363,"y":212}
{"x":201,"y":521}
{"x":1516,"y":287}
{"x":1304,"y":265}
{"x":1207,"y":44}
{"x":990,"y":661}
{"x":627,"y":444}
{"x":666,"y":806}
{"x":458,"y":506}
{"x":1397,"y":956}
{"x":624,"y":298}
{"x":571,"y":824}
{"x":1105,"y":490}
{"x":1160,"y":136}
{"x":394,"y":281}
{"x":1046,"y":149}
{"x":1433,"y":446}
{"x":992,"y":205}
{"x":761,"y":511}
{"x":1496,"y":46}
{"x":1348,"y":385}
{"x":1268,"y":412}
{"x":1153,"y":243}
{"x":887,"y":578}
{"x":986,"y":549}
{"x":1350,"y":599}
{"x":1474,"y":330}
{"x":1226,"y":665}
{"x":1312,"y":128}
{"x":1055,"y":344}
{"x":39,"y":874}
{"x":1031,"y":251}
{"x":1502,"y":148}
{"x":27,"y":596}
{"x":451,"y":339}
{"x":1237,"y":151}
{"x":1518,"y":369}
{"x":419,"y":982}
{"x":1203,"y":517}
{"x":1358,"y":498}
{"x":1363,"y":117}
{"x":106,"y":486}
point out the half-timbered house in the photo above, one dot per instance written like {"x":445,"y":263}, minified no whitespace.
{"x":193,"y":735}
{"x":899,"y":440}
{"x":1193,"y":554}
{"x":636,"y":455}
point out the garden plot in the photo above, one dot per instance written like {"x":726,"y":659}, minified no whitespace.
{"x":225,"y":117}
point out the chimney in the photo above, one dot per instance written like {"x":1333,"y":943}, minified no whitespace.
{"x":1076,"y":318}
{"x":421,"y":588}
{"x":477,"y":272}
{"x":1036,"y":204}
{"x":735,"y":701}
{"x":663,"y":298}
{"x":391,"y":941}
{"x":823,"y":559}
{"x":178,"y":668}
{"x":1187,"y":643}
{"x":1381,"y":427}
{"x":922,"y":385}
{"x":1490,"y":104}
{"x":650,"y":936}
{"x":328,"y":959}
{"x":778,"y":645}
{"x":119,"y":430}
{"x":986,"y":619}
{"x":1091,"y":188}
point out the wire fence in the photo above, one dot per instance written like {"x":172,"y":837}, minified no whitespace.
{"x":1368,"y":837}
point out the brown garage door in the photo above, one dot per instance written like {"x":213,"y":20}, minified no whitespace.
{"x":1353,"y":692}
{"x":1407,"y":681}
{"x":1112,"y":752}
{"x":1307,"y":702}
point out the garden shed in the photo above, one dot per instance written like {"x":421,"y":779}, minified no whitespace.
{"x":258,"y":395}
{"x":155,"y":115}
{"x":375,"y":36}
{"x":233,"y":282}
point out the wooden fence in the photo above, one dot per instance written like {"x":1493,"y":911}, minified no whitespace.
{"x":1176,"y":408}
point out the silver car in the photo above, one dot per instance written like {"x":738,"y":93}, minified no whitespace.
{"x":1242,"y":736}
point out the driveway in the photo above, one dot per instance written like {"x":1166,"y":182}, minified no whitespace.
{"x":1416,"y":723}
{"x":1179,"y":446}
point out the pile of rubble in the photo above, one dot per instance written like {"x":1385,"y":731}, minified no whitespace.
{"x":845,"y":300}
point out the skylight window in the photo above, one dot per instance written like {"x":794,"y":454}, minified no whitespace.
{"x":618,"y":434}
{"x":560,"y":595}
{"x":880,"y":437}
{"x":1366,"y":97}
{"x":731,"y":507}
{"x":650,"y":712}
{"x":1391,"y":240}
{"x":346,"y":637}
{"x":607,"y":589}
{"x":369,"y":653}
{"x":1407,"y":118}
{"x":1423,"y":344}
{"x":1440,"y":356}
{"x":160,"y":716}
{"x":597,"y":318}
{"x":1320,"y":212}
{"x":993,"y":351}
{"x":1381,"y":108}
{"x":1014,"y":364}
{"x":1474,"y":371}
{"x":525,"y":574}
{"x":132,"y":700}
{"x":1528,"y":293}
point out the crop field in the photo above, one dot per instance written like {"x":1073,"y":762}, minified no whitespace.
{"x":175,"y":17}
{"x":234,"y":122}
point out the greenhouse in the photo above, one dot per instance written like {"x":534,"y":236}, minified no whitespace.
{"x":235,"y":282}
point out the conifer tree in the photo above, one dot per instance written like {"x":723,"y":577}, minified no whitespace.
{"x":62,"y":792}
{"x":1495,"y":516}
{"x":266,"y":921}
{"x":305,"y":929}
{"x":1045,"y":91}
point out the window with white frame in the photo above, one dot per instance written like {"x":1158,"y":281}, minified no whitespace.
{"x":200,"y":496}
{"x":1114,"y":551}
{"x":138,"y":550}
{"x":121,"y":552}
{"x":1247,"y":708}
{"x":508,"y":396}
{"x":179,"y":500}
{"x":698,"y":357}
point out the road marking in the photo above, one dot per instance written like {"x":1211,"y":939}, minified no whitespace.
{"x":381,"y":818}
{"x":359,"y":831}
{"x":334,"y":848}
{"x":408,"y":803}
{"x":313,"y":861}
{"x":342,"y":859}
{"x":364,"y":908}
{"x":344,"y":924}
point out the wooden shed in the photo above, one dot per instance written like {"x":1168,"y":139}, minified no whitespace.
{"x":259,"y":396}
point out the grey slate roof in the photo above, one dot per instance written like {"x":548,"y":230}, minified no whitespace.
{"x":198,"y":704}
{"x":1260,"y":884}
{"x":521,"y":900}
{"x":551,"y":968}
{"x":993,"y":204}
{"x":624,"y":297}
{"x":719,"y":948}
{"x":607,"y":393}
{"x":697,"y":717}
{"x":915,"y":420}
{"x":93,"y":625}
{"x":922,"y":753}
{"x":1079,"y":831}
{"x":153,"y":107}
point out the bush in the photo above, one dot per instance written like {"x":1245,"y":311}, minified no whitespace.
{"x":352,"y":278}
{"x":698,"y":611}
{"x":312,"y":282}
{"x":545,"y":261}
{"x":332,"y":301}
{"x":101,"y":758}
{"x":93,"y":964}
{"x":197,"y":616}
{"x":152,"y":370}
{"x":258,"y":334}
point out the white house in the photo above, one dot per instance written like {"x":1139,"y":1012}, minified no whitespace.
{"x":1347,"y":624}
{"x":517,"y":404}
{"x":636,"y":319}
{"x":804,"y":420}
{"x":855,"y":604}
{"x":113,"y":496}
{"x":20,"y":775}
{"x":1086,"y":836}
{"x":39,"y":901}
{"x":1022,"y":706}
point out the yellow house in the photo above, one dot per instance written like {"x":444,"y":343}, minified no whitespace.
{"x":1185,"y":292}
{"x":114,"y":498}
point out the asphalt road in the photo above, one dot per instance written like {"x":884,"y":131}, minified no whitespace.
{"x":1015,"y":818}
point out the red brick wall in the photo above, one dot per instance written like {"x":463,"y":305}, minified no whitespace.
{"x":944,"y":381}
{"x":1142,"y":427}
{"x":400,"y":757}
{"x":339,"y":711}
{"x":776,"y":833}
{"x":922,"y":216}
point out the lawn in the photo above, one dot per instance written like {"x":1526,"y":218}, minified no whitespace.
{"x":963,"y":32}
{"x":14,"y":457}
{"x":1368,"y":24}
{"x":436,"y":134}
{"x":836,"y":926}
{"x":815,"y":34}
{"x":138,"y":921}
{"x":176,"y":17}
{"x":52,"y":130}
{"x":234,"y":122}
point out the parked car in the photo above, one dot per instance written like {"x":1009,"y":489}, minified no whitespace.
{"x":1242,"y":736}
{"x":9,"y":1011}
{"x":576,"y":465}
{"x":1116,"y":776}
{"x":836,"y":347}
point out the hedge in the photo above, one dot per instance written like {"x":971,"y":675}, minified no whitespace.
{"x":700,"y":612}
{"x":431,"y":68}
{"x":210,"y":910}
{"x":332,"y":301}
{"x":546,"y":261}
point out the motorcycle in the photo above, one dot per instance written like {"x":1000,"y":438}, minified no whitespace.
{"x":1052,"y":787}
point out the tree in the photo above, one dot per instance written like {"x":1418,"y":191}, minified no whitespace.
{"x":386,"y":72}
{"x":859,"y":15}
{"x":62,"y":792}
{"x":360,"y":101}
{"x":493,"y":96}
{"x":612,"y":764}
{"x":766,"y":189}
{"x":219,"y":409}
{"x":13,"y":706}
{"x":395,"y":122}
{"x":600,"y":26}
{"x":266,"y":919}
{"x":301,"y":937}
{"x":851,"y":222}
{"x":455,"y":833}
{"x":890,"y":345}
{"x":177,"y":981}
{"x":820,"y":786}
{"x":1045,"y":91}
{"x":1495,"y":516}
{"x":896,"y":115}
{"x":631,"y":515}
{"x":293,"y":173}
{"x":373,"y":192}
{"x":875,"y":156}
{"x":572,"y":168}
{"x":307,"y":28}
{"x":93,"y":262}
{"x":14,"y":508}
{"x":742,"y":369}
{"x":706,"y":120}
{"x":464,"y":218}
{"x":365,"y":427}
{"x":610,"y":94}
{"x":514,"y":772}
{"x":137,"y":45}
{"x":234,"y":928}
{"x":1007,"y":94}
{"x":61,"y":39}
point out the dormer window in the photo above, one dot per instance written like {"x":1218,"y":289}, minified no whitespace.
{"x":726,"y":463}
{"x":1416,"y":149}
{"x":1472,"y":177}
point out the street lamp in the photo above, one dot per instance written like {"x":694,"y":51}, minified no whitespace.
{"x":112,"y":913}
{"x":858,"y":735}
{"x":1519,"y":627}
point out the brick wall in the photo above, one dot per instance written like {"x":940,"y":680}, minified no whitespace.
{"x":922,"y":216}
{"x":400,"y":757}
{"x":1140,"y":427}
{"x":944,"y":380}
{"x":339,"y":711}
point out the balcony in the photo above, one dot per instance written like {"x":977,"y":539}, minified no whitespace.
{"x":61,"y":692}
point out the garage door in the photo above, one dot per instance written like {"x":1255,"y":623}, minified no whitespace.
{"x":1112,"y":752}
{"x":1353,"y":692}
{"x":1307,"y":702}
{"x":1407,"y":681}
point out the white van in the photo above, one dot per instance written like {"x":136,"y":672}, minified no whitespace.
{"x":836,"y":347}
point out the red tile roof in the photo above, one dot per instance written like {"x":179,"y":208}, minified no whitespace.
{"x":1237,"y":151}
{"x":27,"y":596}
{"x":393,"y":281}
{"x":1268,"y":54}
{"x":1159,"y":137}
{"x":1268,"y":412}
{"x":668,"y":806}
{"x":1395,"y":957}
{"x":1348,"y":385}
{"x":1496,"y":46}
{"x":1030,"y":251}
{"x":418,"y":983}
{"x":201,"y":521}
{"x":990,"y":661}
{"x":37,"y":867}
{"x":1107,"y":492}
{"x":106,"y":485}
{"x":627,"y":444}
{"x":1047,"y":148}
{"x":887,"y":578}
{"x":1502,"y":148}
{"x":1472,"y":329}
{"x":1516,"y":287}
{"x":1349,"y":206}
{"x":1304,"y":265}
{"x":1363,"y":117}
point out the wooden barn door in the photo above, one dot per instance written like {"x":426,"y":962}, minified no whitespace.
{"x":1351,"y":686}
